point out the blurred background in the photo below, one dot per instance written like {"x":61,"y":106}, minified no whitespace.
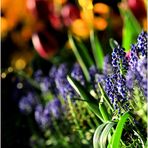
{"x":34,"y":36}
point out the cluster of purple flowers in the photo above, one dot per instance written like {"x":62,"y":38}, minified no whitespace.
{"x":115,"y":86}
{"x":98,"y":77}
{"x":42,"y":80}
{"x":45,"y":115}
{"x":126,"y":70}
{"x":62,"y":84}
{"x":77,"y":74}
{"x":138,"y":61}
{"x":27,"y":103}
{"x":119,"y":60}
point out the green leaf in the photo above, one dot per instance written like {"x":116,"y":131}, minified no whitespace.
{"x":101,"y":135}
{"x":84,"y":53}
{"x":103,"y":111}
{"x":131,"y":28}
{"x":115,"y":142}
{"x":97,"y":50}
{"x":92,"y":102}
{"x":113,"y":43}
{"x":105,"y":97}
{"x":97,"y":135}
{"x":79,"y":57}
{"x":142,"y":143}
{"x":105,"y":133}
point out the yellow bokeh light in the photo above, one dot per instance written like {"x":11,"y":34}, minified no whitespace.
{"x":20,"y":64}
{"x":10,"y":69}
{"x":3,"y":75}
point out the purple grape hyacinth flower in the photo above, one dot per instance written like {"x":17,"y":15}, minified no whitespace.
{"x":119,"y":60}
{"x":62,"y":84}
{"x":55,"y":107}
{"x":115,"y":88}
{"x":142,"y":70}
{"x":27,"y":103}
{"x":138,"y":60}
{"x":42,"y":116}
{"x":77,"y":74}
{"x":139,"y":49}
{"x":142,"y":43}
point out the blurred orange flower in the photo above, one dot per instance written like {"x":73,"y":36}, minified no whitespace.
{"x":15,"y":11}
{"x":91,"y":18}
{"x":80,"y":28}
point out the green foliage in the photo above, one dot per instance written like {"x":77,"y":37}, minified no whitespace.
{"x":97,"y":50}
{"x":92,"y":102}
{"x":113,"y":43}
{"x":82,"y":55}
{"x":131,"y":28}
{"x":101,"y":135}
{"x":115,"y":141}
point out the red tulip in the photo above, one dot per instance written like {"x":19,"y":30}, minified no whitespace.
{"x":45,"y":44}
{"x":55,"y":21}
{"x":138,"y":8}
{"x":69,"y":13}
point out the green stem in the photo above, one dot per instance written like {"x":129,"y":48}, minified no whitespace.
{"x":103,"y":94}
{"x":93,"y":117}
{"x":97,"y":49}
{"x":104,"y":112}
{"x":74,"y":118}
{"x":59,"y":132}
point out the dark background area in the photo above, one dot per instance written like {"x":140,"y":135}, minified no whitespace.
{"x":15,"y":130}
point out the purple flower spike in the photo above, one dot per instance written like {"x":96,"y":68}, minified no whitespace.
{"x":27,"y":103}
{"x":119,"y":60}
{"x":62,"y":83}
{"x":77,"y":74}
{"x":142,"y":43}
{"x":55,"y":107}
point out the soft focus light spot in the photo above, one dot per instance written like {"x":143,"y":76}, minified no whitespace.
{"x":20,"y":64}
{"x":10,"y":69}
{"x":3,"y":75}
{"x":19,"y":85}
{"x":30,"y":4}
{"x":100,"y":23}
{"x":101,"y":8}
{"x":80,"y":28}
